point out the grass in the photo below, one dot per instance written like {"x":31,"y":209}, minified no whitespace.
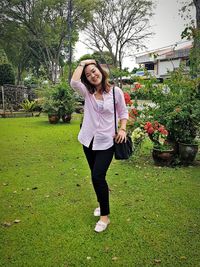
{"x":45,"y":183}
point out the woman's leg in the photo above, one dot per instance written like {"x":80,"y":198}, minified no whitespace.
{"x":102,"y":162}
{"x":90,"y":156}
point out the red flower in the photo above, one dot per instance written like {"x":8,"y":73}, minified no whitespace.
{"x":127,"y":98}
{"x":147,"y":125}
{"x":156,"y":125}
{"x":137,"y":86}
{"x":155,"y":130}
{"x":134,"y":111}
{"x":150,"y":130}
{"x":162,"y":130}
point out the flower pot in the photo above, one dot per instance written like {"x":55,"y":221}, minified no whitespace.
{"x":53,"y":118}
{"x":163,"y":157}
{"x":67,"y":118}
{"x":187,"y":153}
{"x":173,"y":144}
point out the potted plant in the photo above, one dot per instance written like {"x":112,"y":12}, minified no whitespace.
{"x":179,"y":110}
{"x":51,"y":106}
{"x":59,"y":102}
{"x":65,"y":97}
{"x":163,"y":152}
{"x":184,"y":126}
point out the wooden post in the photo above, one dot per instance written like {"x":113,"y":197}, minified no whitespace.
{"x":3,"y":100}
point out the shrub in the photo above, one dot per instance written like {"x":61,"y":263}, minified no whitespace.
{"x":6,"y":74}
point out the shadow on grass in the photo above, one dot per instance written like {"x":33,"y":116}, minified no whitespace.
{"x":59,"y":124}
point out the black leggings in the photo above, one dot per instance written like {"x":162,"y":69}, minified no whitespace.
{"x":99,"y":161}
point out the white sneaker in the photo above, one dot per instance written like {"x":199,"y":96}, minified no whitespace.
{"x":101,"y":226}
{"x":97,"y":212}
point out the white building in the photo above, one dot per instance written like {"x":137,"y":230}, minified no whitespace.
{"x":162,"y":60}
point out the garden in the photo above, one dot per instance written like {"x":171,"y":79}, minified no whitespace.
{"x":46,"y":195}
{"x":47,"y":203}
{"x":46,"y":191}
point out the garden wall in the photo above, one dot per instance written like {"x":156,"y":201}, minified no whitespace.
{"x":14,"y":95}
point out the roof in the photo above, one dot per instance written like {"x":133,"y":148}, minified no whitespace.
{"x":177,"y":50}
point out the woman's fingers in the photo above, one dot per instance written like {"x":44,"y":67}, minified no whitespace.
{"x":89,"y":61}
{"x":120,"y":138}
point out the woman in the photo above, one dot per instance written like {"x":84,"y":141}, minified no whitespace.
{"x":98,"y":130}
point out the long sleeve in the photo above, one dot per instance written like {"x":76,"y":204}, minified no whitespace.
{"x":121,"y":105}
{"x":79,"y":87}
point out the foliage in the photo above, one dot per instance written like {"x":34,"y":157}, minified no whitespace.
{"x":103,"y":57}
{"x":145,"y":89}
{"x":28,"y":105}
{"x":157,"y":134}
{"x":175,"y":106}
{"x":137,"y":136}
{"x":39,"y":38}
{"x":178,"y":108}
{"x":6,"y":74}
{"x":117,"y":72}
{"x":64,"y":94}
{"x":50,"y":106}
{"x":192,"y":31}
{"x":195,"y":55}
{"x":31,"y":82}
{"x":3,"y":57}
{"x":59,"y":99}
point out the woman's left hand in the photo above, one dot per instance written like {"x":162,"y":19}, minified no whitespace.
{"x":121,"y":136}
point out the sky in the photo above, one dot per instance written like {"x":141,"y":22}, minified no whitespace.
{"x":167,"y":25}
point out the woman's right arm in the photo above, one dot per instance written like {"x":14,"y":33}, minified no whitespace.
{"x":76,"y":77}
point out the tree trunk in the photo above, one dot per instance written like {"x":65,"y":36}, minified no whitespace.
{"x":19,"y":74}
{"x":197,"y":5}
{"x":195,"y":54}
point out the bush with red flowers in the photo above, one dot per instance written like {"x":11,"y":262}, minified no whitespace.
{"x":127,"y":98}
{"x":157,"y":134}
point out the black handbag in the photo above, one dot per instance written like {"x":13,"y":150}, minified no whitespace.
{"x":121,"y":150}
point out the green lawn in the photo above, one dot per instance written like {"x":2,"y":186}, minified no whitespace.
{"x":45,"y":183}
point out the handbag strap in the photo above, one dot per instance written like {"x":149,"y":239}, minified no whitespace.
{"x":114,"y":110}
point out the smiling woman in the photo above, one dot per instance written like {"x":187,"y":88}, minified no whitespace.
{"x":94,"y":77}
{"x":98,"y":128}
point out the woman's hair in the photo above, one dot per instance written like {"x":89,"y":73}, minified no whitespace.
{"x":91,"y":88}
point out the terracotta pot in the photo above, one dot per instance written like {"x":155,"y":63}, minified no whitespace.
{"x":187,"y":153}
{"x":163,"y":158}
{"x":53,"y":118}
{"x":67,"y":118}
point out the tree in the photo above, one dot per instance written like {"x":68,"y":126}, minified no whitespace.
{"x":14,"y":40}
{"x":3,"y":57}
{"x":103,"y":58}
{"x":6,"y":74}
{"x":193,"y":31}
{"x":44,"y":22}
{"x":119,"y":26}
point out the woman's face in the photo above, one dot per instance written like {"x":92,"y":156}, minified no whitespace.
{"x":93,"y":75}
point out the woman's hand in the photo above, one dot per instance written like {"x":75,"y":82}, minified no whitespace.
{"x":79,"y":70}
{"x":87,"y":62}
{"x":121,"y":136}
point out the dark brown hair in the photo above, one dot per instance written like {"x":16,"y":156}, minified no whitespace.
{"x":91,"y":88}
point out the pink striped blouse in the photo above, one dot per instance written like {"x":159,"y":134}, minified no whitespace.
{"x":98,"y":122}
